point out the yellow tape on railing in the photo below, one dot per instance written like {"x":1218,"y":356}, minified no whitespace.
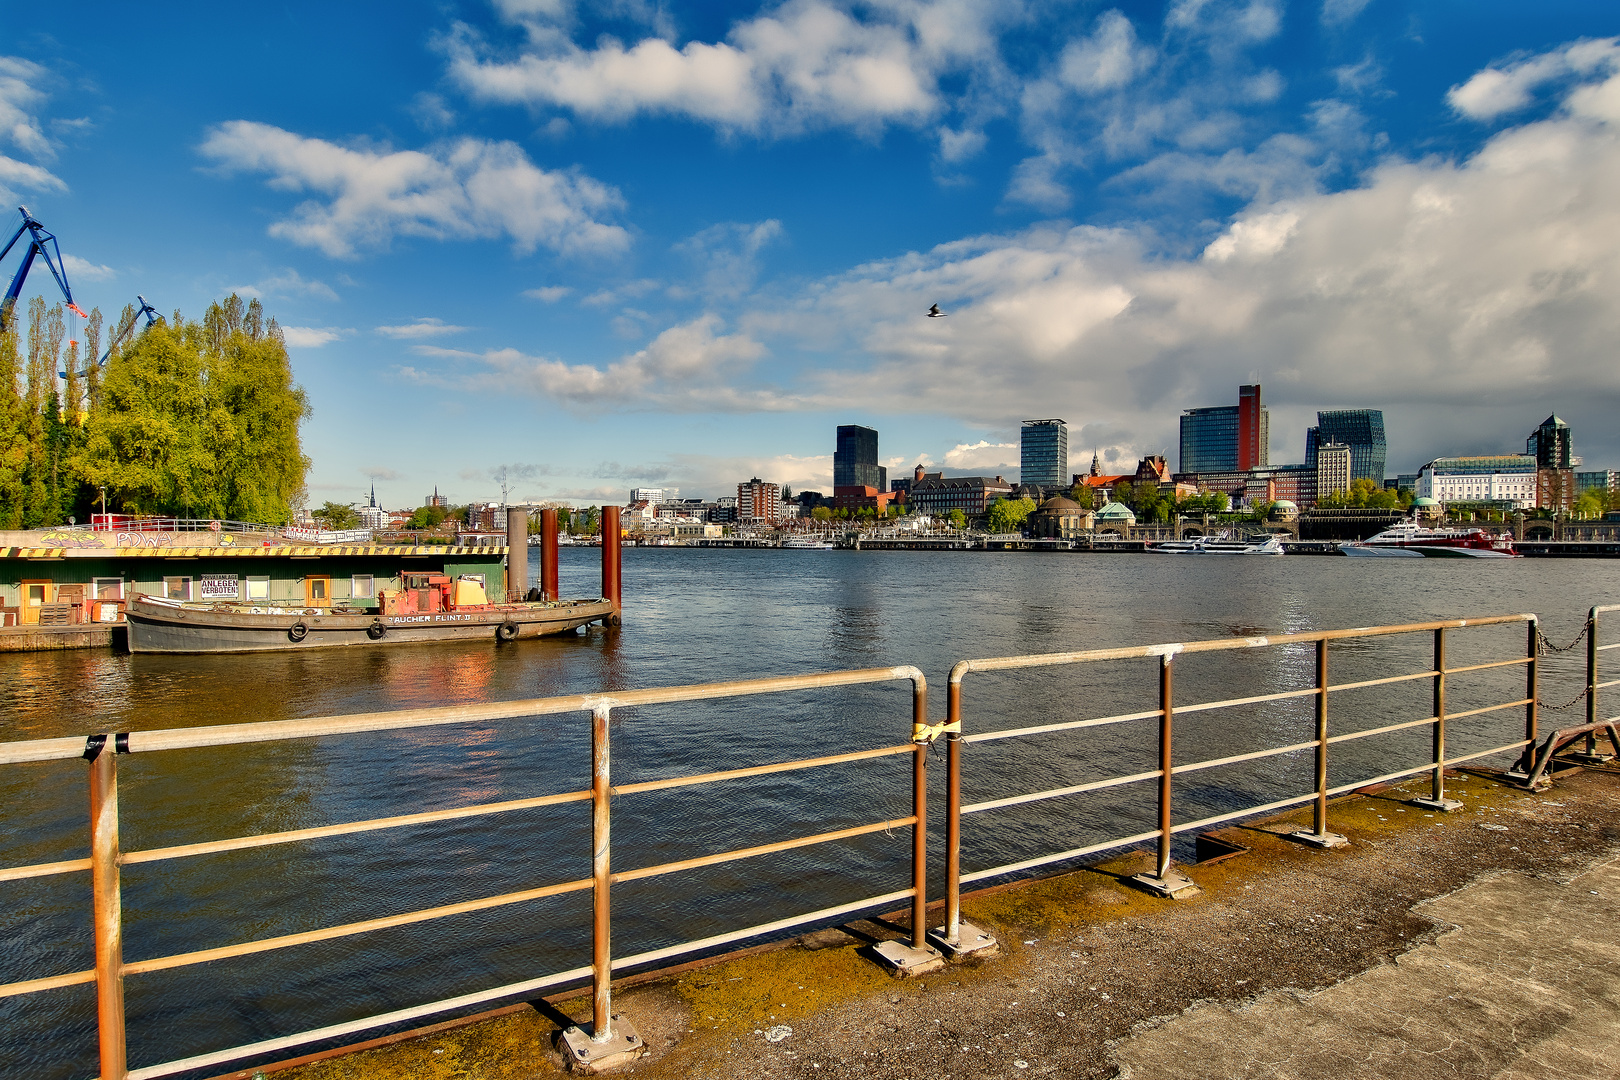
{"x":927,"y":733}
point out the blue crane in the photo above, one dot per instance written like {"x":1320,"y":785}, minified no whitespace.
{"x":37,"y":245}
{"x":123,"y":334}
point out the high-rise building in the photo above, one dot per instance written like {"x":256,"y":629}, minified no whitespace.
{"x":758,"y":502}
{"x":1362,"y":430}
{"x":1332,"y":470}
{"x":855,"y":459}
{"x":1254,"y":429}
{"x":1043,"y":453}
{"x":653,"y":496}
{"x":1227,"y":438}
{"x":1209,"y":439}
{"x":1551,"y":445}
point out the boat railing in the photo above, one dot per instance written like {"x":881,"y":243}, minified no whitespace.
{"x":606,"y":1033}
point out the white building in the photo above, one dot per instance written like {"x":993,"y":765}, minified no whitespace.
{"x":647,"y":495}
{"x":1510,"y":478}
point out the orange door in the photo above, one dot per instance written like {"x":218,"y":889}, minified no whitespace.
{"x":318,"y":592}
{"x":35,"y":595}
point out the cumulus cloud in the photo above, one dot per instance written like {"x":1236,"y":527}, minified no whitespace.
{"x":313,"y":337}
{"x":983,"y":457}
{"x":726,"y":256}
{"x":1497,"y":90}
{"x":462,"y":189}
{"x":22,"y":97}
{"x":287,"y":283}
{"x":806,"y":64}
{"x":85,"y":269}
{"x":548,"y":294}
{"x":1109,"y":58}
{"x":421,"y":328}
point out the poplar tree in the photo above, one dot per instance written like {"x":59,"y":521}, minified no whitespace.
{"x":13,"y":433}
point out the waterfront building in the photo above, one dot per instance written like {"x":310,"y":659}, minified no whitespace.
{"x":1552,"y":445}
{"x":1059,"y":518}
{"x":937,"y":494}
{"x":1509,"y":479}
{"x":1114,"y":517}
{"x":1555,"y":490}
{"x":1043,"y":453}
{"x":855,"y":459}
{"x":1209,"y":439}
{"x":1600,"y":480}
{"x":436,"y":499}
{"x":1295,"y":483}
{"x":758,"y":503}
{"x":1254,"y":429}
{"x":1362,"y":430}
{"x":647,"y":495}
{"x":1332,"y":470}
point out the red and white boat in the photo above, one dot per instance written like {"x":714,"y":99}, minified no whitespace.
{"x":1409,"y":540}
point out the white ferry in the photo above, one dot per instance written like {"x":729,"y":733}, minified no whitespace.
{"x":1204,"y":545}
{"x":1409,"y":540}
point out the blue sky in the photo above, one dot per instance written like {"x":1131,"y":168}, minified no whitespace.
{"x":627,"y":244}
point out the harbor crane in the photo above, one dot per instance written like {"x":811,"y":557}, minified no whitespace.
{"x":40,"y":243}
{"x":123,"y":334}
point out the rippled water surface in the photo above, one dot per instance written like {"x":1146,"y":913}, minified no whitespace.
{"x":691,"y":616}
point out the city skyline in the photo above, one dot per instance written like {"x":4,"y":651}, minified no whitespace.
{"x":484,"y":219}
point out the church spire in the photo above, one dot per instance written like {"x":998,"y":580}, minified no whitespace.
{"x":1096,"y":463}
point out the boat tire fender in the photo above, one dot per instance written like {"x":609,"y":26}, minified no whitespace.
{"x":507,"y":631}
{"x":297,"y":631}
{"x":377,"y":629}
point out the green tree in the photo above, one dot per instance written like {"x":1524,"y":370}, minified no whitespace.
{"x":958,"y":519}
{"x":1084,"y":495}
{"x":821,"y":513}
{"x":13,"y":433}
{"x":336,"y":516}
{"x":426,"y":517}
{"x":1591,"y":504}
{"x":1007,"y":515}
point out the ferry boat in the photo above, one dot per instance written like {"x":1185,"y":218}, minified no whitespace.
{"x":806,"y":543}
{"x":1204,"y":545}
{"x":1409,"y":540}
{"x":431,"y":607}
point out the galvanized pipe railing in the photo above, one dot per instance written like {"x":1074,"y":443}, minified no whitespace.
{"x":106,"y":860}
{"x":1165,"y":713}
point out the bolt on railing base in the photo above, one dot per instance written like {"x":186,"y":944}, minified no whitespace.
{"x":970,"y":941}
{"x":906,"y":961}
{"x":1445,"y":806}
{"x":1322,"y":840}
{"x":1175,"y":885}
{"x":585,"y":1055}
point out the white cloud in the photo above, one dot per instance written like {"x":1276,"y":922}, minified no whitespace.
{"x":982,"y":457}
{"x":84,"y":268}
{"x":287,"y":283}
{"x":808,"y":63}
{"x":462,"y":189}
{"x":313,"y":337}
{"x":421,"y":328}
{"x":21,"y":98}
{"x":1110,"y":58}
{"x":1340,"y":12}
{"x":548,"y":294}
{"x":727,"y":255}
{"x":1497,"y":90}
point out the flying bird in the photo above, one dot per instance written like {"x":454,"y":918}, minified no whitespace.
{"x":935,"y":313}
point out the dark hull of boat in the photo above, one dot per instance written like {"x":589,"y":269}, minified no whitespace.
{"x":162,"y":628}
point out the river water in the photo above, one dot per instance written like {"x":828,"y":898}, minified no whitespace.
{"x":691,"y":616}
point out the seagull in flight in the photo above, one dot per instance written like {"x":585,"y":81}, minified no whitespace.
{"x":935,"y":313}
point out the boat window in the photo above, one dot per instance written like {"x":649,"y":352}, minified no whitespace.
{"x":258,"y":588}
{"x":362,"y":587}
{"x":109,"y":588}
{"x":317,"y":588}
{"x":177,"y":588}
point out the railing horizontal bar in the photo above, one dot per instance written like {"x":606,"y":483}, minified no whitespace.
{"x":19,"y":873}
{"x":239,"y":843}
{"x":141,"y":742}
{"x":1515,"y":662}
{"x":1427,"y":766}
{"x":398,"y":1016}
{"x":1068,"y":725}
{"x":1203,"y":823}
{"x":1605,"y":607}
{"x":1450,"y":716}
{"x":762,"y":849}
{"x":1205,"y":706}
{"x":1427,"y":674}
{"x":1057,"y":793}
{"x":246,"y":948}
{"x":755,"y":931}
{"x":1611,"y":645}
{"x":1003,"y":663}
{"x":50,"y":982}
{"x":1606,"y":685}
{"x":1072,"y":853}
{"x":1351,"y":736}
{"x":1235,"y":758}
{"x":758,"y":770}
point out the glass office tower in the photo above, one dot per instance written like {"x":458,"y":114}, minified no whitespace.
{"x":1209,"y":439}
{"x":1043,"y":453}
{"x":1362,"y":430}
{"x":855,"y":459}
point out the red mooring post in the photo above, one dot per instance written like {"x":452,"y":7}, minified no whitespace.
{"x":548,"y":554}
{"x":612,"y":561}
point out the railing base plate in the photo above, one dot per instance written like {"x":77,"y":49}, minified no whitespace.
{"x":1320,"y":840}
{"x":970,"y":941}
{"x":907,"y":961}
{"x":1445,"y":806}
{"x":588,"y":1056}
{"x":1587,"y":759}
{"x":1175,"y":885}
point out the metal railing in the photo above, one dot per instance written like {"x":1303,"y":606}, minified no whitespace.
{"x":1539,"y":765}
{"x":106,"y":858}
{"x":1168,"y":769}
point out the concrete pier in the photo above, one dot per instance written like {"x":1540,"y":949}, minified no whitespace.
{"x":1480,"y":943}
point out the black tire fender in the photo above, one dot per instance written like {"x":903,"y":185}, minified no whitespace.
{"x":297,"y":631}
{"x":507,"y":631}
{"x":377,"y":629}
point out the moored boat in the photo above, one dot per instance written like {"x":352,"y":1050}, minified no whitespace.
{"x":1204,"y":545}
{"x":431,"y":607}
{"x":1409,"y":540}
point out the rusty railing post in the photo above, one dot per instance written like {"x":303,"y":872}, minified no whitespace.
{"x":1318,"y":835}
{"x":1591,"y":680}
{"x":956,"y":938}
{"x":1437,"y":786}
{"x":107,"y":901}
{"x":601,"y":871}
{"x":1532,"y":687}
{"x":548,"y":553}
{"x":1166,"y":721}
{"x":612,"y":563}
{"x":919,"y":831}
